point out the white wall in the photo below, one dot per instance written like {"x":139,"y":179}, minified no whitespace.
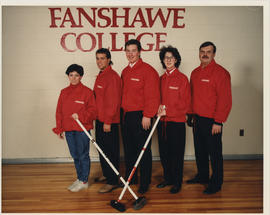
{"x":34,"y":63}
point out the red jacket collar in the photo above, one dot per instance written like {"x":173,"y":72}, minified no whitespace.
{"x":75,"y":86}
{"x":212,"y":63}
{"x":171,"y":71}
{"x":108,"y":68}
{"x":138,"y":63}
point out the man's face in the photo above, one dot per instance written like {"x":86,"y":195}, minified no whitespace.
{"x":74,"y":77}
{"x":102,"y":61}
{"x":206,"y":54}
{"x":132,"y":53}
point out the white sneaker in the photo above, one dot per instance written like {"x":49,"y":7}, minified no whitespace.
{"x":73,"y":184}
{"x":79,"y":186}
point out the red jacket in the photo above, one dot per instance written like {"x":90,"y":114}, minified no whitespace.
{"x":75,"y":99}
{"x":175,"y":95}
{"x":107,"y":90}
{"x":211,"y":92}
{"x":140,"y":89}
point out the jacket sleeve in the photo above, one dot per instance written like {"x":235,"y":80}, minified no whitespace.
{"x":151,"y":93}
{"x":187,"y":96}
{"x":112,"y":99}
{"x":190,"y":110}
{"x":184,"y":102}
{"x":89,"y":113}
{"x":224,"y":98}
{"x":58,"y":115}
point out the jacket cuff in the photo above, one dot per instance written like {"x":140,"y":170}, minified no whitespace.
{"x":57,"y":130}
{"x":148,"y":115}
{"x":218,"y":123}
{"x":108,"y":122}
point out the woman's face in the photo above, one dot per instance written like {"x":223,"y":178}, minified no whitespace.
{"x":169,"y":61}
{"x":74,"y":78}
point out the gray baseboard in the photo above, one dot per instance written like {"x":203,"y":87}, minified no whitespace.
{"x":96,"y":159}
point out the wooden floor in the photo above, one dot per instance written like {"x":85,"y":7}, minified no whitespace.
{"x":37,"y":188}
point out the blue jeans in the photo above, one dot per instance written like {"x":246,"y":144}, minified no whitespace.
{"x":78,"y":144}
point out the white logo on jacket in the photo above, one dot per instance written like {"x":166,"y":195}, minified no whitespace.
{"x":205,"y":80}
{"x":80,"y":102}
{"x":98,"y":86}
{"x":135,"y":79}
{"x":173,"y":88}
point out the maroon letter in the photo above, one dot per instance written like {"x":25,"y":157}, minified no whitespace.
{"x":141,"y":19}
{"x":114,"y":17}
{"x":79,"y":45}
{"x":114,"y":43}
{"x":99,"y":40}
{"x":158,"y":40}
{"x":69,"y":14}
{"x":127,"y":35}
{"x":106,"y":18}
{"x":92,"y":21}
{"x":150,"y":45}
{"x":176,"y":17}
{"x":63,"y":42}
{"x":161,"y":16}
{"x":53,"y":18}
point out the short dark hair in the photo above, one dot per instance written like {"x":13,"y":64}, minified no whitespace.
{"x":208,"y":43}
{"x":134,"y":42}
{"x":75,"y":67}
{"x":106,"y":52}
{"x":174,"y":52}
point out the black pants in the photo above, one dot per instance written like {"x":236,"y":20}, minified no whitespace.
{"x":134,"y":138}
{"x":171,"y":141}
{"x":208,"y":145}
{"x":109,"y":144}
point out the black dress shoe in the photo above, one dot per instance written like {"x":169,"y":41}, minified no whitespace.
{"x":211,"y":190}
{"x":143,"y":189}
{"x":196,"y":180}
{"x":163,"y":184}
{"x":175,"y":189}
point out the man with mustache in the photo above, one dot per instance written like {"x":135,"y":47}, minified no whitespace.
{"x":211,"y":105}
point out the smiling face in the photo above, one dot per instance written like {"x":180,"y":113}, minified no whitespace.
{"x":132,"y":53}
{"x":206,"y":55}
{"x":102,"y":61}
{"x":74,"y":78}
{"x":169,"y":61}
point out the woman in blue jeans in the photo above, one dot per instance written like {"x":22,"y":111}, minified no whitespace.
{"x":76,"y":102}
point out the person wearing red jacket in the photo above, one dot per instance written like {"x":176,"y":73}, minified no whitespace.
{"x":211,"y":105}
{"x":175,"y":95}
{"x":76,"y":102}
{"x":107,"y":91}
{"x":140,"y":102}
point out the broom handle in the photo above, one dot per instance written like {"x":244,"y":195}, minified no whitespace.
{"x":104,"y":156}
{"x":139,"y":158}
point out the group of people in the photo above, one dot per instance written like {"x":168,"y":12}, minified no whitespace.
{"x":133,"y":101}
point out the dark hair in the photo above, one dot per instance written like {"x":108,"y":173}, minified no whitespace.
{"x":174,"y":52}
{"x":75,"y":67}
{"x":208,"y":43}
{"x":134,"y":42}
{"x":105,"y":51}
